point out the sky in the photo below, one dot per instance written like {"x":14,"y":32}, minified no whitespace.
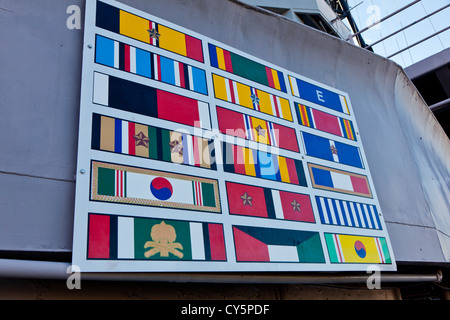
{"x":370,"y":11}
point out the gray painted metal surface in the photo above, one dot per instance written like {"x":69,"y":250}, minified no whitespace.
{"x":40,"y":59}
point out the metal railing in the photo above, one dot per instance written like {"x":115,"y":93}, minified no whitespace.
{"x":402,"y":29}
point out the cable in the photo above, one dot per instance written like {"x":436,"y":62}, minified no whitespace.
{"x":434,"y":28}
{"x":381,"y":35}
{"x":404,"y":36}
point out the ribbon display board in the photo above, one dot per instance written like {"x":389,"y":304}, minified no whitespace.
{"x":195,"y":156}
